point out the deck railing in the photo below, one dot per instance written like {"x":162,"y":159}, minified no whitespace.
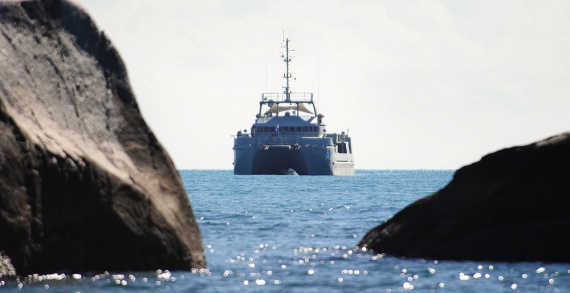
{"x":282,"y":97}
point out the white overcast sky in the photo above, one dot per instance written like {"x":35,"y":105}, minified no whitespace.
{"x":419,"y":84}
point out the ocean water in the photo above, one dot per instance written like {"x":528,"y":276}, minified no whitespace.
{"x":296,"y":234}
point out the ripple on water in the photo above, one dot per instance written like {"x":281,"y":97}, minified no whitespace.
{"x":297,"y":234}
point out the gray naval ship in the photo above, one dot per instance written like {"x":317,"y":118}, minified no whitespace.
{"x":289,"y":137}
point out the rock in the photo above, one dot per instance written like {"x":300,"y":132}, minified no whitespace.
{"x":512,"y":205}
{"x":84,"y":183}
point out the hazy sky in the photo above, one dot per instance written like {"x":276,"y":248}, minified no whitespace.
{"x":419,"y":84}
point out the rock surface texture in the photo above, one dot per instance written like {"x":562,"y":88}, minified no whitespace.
{"x":513,"y":205}
{"x":84,"y":183}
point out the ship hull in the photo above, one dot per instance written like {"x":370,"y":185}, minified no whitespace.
{"x":282,"y":160}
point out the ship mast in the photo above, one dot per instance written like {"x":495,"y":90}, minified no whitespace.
{"x":287,"y":75}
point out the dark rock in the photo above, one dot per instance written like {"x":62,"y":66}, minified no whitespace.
{"x":513,"y":205}
{"x":84,"y":183}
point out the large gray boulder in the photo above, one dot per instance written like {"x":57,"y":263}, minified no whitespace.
{"x":84,"y":183}
{"x":513,"y":205}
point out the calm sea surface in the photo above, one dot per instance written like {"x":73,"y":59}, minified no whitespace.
{"x":296,"y":234}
